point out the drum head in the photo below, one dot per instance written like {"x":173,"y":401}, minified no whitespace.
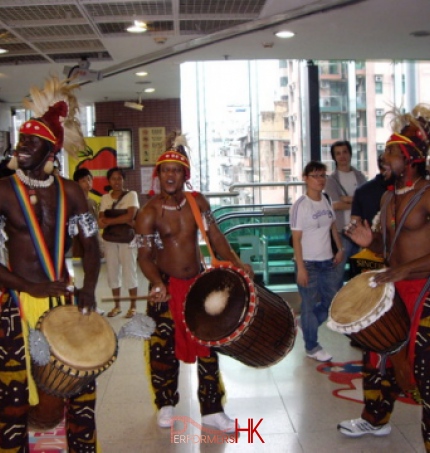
{"x":357,"y":299}
{"x":216,"y":304}
{"x":84,"y":342}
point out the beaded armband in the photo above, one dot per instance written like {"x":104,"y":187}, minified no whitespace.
{"x":376,"y":223}
{"x":148,"y":241}
{"x":3,"y":235}
{"x":87,"y":224}
{"x":208,"y":219}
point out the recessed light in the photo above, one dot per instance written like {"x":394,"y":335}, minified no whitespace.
{"x":284,"y":34}
{"x":141,"y":74}
{"x":3,"y":50}
{"x":137,"y":27}
{"x":149,"y":90}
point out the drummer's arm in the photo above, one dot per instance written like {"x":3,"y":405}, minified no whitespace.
{"x":218,"y":241}
{"x":145,"y":230}
{"x":88,"y":238}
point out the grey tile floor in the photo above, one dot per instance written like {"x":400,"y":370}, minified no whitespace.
{"x":295,"y":402}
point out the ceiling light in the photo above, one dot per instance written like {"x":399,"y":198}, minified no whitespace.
{"x":141,"y":74}
{"x":284,"y":34}
{"x":137,"y":27}
{"x":149,"y":90}
{"x":3,"y":50}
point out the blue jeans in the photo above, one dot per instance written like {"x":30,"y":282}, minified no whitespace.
{"x":316,"y":299}
{"x":351,"y":248}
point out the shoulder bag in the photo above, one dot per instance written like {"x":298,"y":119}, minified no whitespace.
{"x":121,"y":233}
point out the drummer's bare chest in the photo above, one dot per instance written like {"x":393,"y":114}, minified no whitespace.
{"x":176,"y":225}
{"x":400,"y":214}
{"x":44,"y":211}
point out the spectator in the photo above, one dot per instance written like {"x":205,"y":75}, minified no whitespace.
{"x":341,"y":185}
{"x":121,"y":259}
{"x":312,"y":220}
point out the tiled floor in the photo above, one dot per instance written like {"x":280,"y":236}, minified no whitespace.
{"x":295,"y":402}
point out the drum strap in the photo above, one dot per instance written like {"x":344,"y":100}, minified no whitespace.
{"x":411,"y":204}
{"x":53,"y":266}
{"x":198,"y":217}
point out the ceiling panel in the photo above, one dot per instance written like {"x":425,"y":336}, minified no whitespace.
{"x":43,"y":35}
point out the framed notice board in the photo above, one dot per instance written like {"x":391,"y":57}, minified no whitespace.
{"x":124,"y":147}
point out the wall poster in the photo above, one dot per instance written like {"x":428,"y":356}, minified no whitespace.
{"x":152,"y":143}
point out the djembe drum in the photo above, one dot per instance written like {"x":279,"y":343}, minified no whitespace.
{"x":225,"y":310}
{"x":81,"y":348}
{"x":374,"y":316}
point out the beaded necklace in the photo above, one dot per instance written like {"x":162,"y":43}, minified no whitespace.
{"x":33,"y":184}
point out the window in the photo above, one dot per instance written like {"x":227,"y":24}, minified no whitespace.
{"x":284,"y":81}
{"x":378,"y":84}
{"x":379,"y":121}
{"x":287,"y":174}
{"x":286,"y":123}
{"x":287,"y":150}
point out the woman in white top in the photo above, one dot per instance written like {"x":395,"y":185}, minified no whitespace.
{"x":121,"y":259}
{"x":313,"y":222}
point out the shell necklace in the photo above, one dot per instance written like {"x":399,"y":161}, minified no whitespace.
{"x":174,"y":208}
{"x":33,"y":184}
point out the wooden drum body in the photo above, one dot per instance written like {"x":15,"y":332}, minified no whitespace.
{"x":225,"y":310}
{"x":81,"y":347}
{"x":375,"y":317}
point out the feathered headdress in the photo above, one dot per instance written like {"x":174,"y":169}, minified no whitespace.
{"x":412,"y":132}
{"x":55,"y":110}
{"x":176,"y":154}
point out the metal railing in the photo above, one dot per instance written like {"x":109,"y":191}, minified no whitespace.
{"x":252,"y":185}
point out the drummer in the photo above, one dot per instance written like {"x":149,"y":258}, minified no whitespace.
{"x":407,"y":252}
{"x":169,"y":256}
{"x":35,"y":210}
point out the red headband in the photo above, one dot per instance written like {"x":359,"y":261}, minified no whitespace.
{"x":401,"y":140}
{"x":174,"y":156}
{"x":35,"y":127}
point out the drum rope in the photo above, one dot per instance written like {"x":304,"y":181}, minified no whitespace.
{"x":410,"y":205}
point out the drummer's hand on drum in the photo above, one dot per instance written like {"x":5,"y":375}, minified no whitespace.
{"x":359,"y":232}
{"x":391,"y":274}
{"x":158,"y":293}
{"x":86,"y":301}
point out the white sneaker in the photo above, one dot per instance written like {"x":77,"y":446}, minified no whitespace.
{"x":100,"y":311}
{"x":220,"y":421}
{"x":321,"y":355}
{"x":360,"y":427}
{"x":164,"y":417}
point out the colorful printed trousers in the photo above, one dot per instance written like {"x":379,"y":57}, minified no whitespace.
{"x":165,"y":366}
{"x":14,"y":407}
{"x":381,"y":391}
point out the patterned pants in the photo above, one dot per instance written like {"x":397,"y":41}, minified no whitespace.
{"x":165,"y":366}
{"x":80,"y":410}
{"x":380,"y":392}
